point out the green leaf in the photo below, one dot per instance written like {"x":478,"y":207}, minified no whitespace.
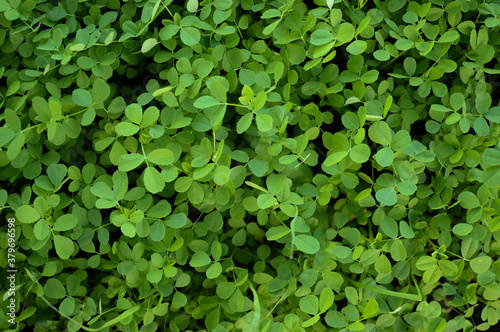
{"x":481,"y":264}
{"x":491,"y":157}
{"x":148,"y":45}
{"x":360,"y":153}
{"x":6,"y":135}
{"x":386,"y":196}
{"x":306,"y":244}
{"x":258,"y":166}
{"x":65,"y":223}
{"x":177,"y":220}
{"x":100,"y":91}
{"x":205,"y":102}
{"x":335,"y":158}
{"x":449,"y":36}
{"x":41,"y":229}
{"x":326,"y":299}
{"x":153,"y":181}
{"x":481,"y":127}
{"x":468,"y":200}
{"x":309,"y":304}
{"x":265,"y":201}
{"x":321,"y":37}
{"x":179,"y":300}
{"x":199,"y":259}
{"x":134,"y":113}
{"x":371,"y":308}
{"x":406,"y":231}
{"x":222,"y":175}
{"x":214,"y":270}
{"x":462,"y":229}
{"x":350,"y":120}
{"x":398,"y":251}
{"x":190,"y":36}
{"x":244,"y":123}
{"x":54,"y":289}
{"x":277,"y":232}
{"x":126,"y":129}
{"x":380,"y":133}
{"x":27,"y":214}
{"x":406,"y":188}
{"x":128,"y":162}
{"x":64,"y":246}
{"x":384,"y":157}
{"x":82,"y":97}
{"x":264,"y":122}
{"x":15,"y":146}
{"x":389,"y":227}
{"x":128,"y":229}
{"x":357,"y":47}
{"x":162,"y":157}
{"x":102,"y":190}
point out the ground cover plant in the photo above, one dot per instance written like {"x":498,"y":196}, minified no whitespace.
{"x":249,"y":165}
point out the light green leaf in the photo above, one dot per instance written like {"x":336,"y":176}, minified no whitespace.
{"x":386,"y":196}
{"x":335,"y":158}
{"x":481,"y":264}
{"x":306,"y":244}
{"x":82,"y":97}
{"x":199,"y":259}
{"x":128,"y":162}
{"x":371,"y":309}
{"x":190,"y":36}
{"x":380,"y":133}
{"x":65,"y":223}
{"x":27,"y":214}
{"x":54,"y":289}
{"x":64,"y":246}
{"x":162,"y":157}
{"x":177,"y":220}
{"x":153,"y":181}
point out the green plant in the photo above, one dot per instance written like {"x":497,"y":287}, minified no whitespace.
{"x":251,"y":165}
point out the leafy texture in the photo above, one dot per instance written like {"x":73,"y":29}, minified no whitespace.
{"x":250,"y":165}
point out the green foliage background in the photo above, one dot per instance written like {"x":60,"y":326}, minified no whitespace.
{"x":251,"y":165}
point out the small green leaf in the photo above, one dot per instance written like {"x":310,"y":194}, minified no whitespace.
{"x":265,"y":201}
{"x":205,"y":102}
{"x":177,"y":220}
{"x":148,"y":45}
{"x":371,"y":309}
{"x":357,"y":47}
{"x":335,"y":158}
{"x":64,"y":246}
{"x":65,"y":223}
{"x":321,"y":37}
{"x":481,"y":264}
{"x":27,"y":214}
{"x":153,"y":181}
{"x":386,"y":196}
{"x":54,"y":289}
{"x":128,"y":162}
{"x":306,"y":243}
{"x":162,"y":157}
{"x":190,"y":36}
{"x":126,"y":129}
{"x":380,"y":133}
{"x":326,"y":299}
{"x":199,"y":259}
{"x":82,"y":97}
{"x":309,"y":304}
{"x":462,"y":229}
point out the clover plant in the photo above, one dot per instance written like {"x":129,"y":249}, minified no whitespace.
{"x":250,"y":165}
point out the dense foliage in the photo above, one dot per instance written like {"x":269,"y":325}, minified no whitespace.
{"x":251,"y":165}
